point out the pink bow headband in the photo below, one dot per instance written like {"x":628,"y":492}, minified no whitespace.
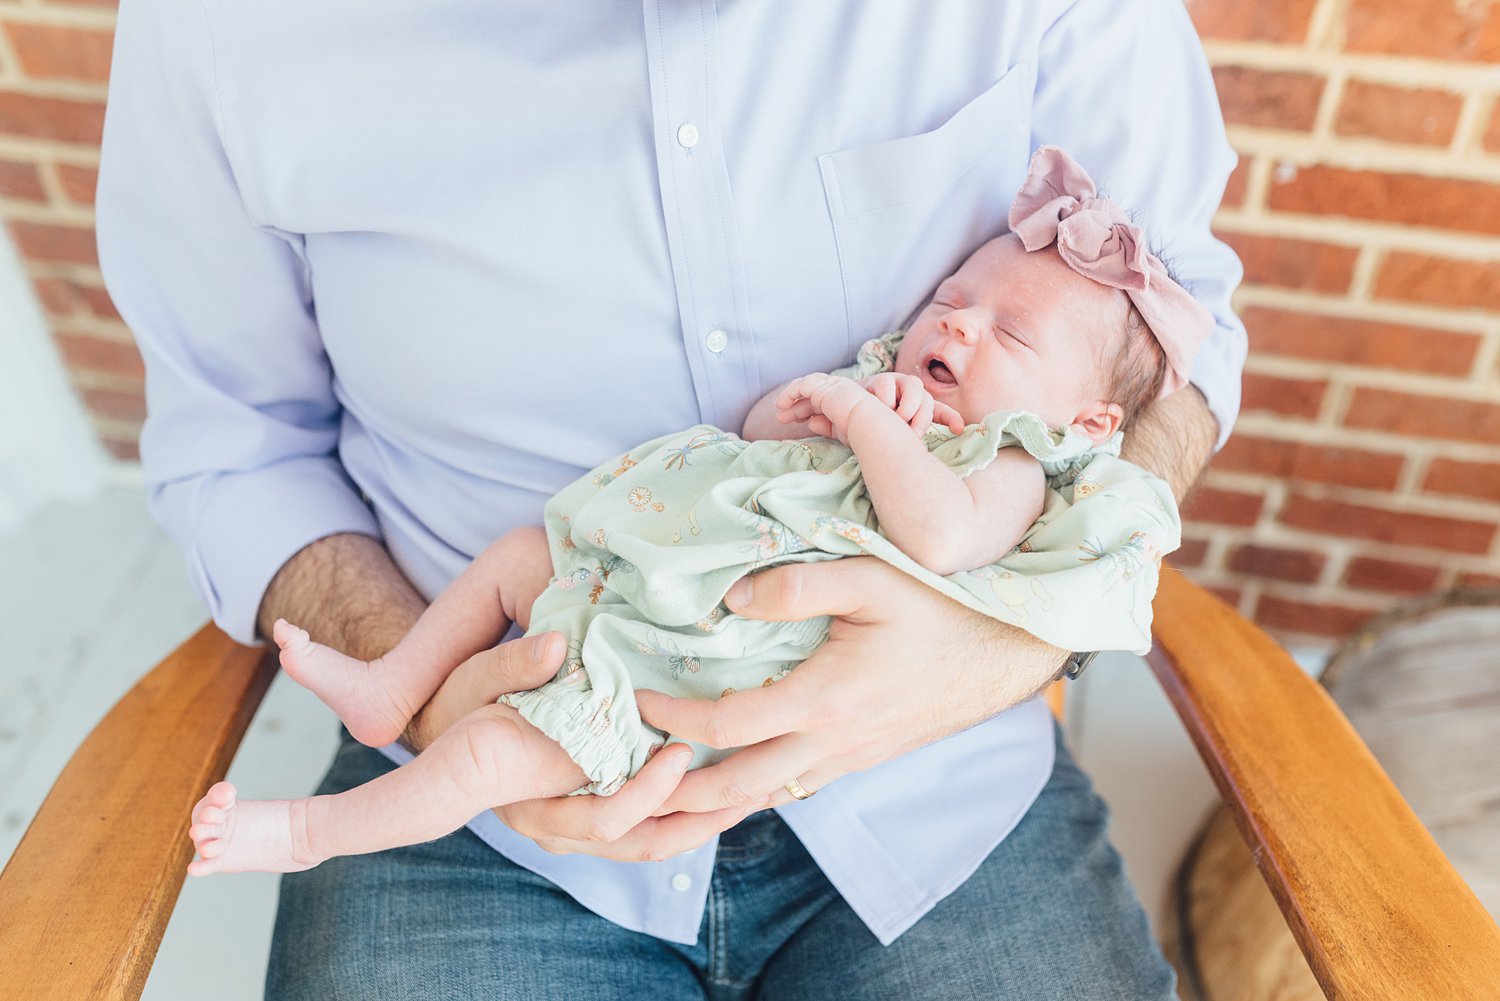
{"x":1095,"y":238}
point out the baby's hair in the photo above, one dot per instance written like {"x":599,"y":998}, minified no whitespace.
{"x":1138,"y":366}
{"x":1135,"y":372}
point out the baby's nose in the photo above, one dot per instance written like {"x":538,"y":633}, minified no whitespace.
{"x":960,"y":324}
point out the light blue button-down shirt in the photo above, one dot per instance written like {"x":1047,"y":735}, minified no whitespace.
{"x":407,"y":269}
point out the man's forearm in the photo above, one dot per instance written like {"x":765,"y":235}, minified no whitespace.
{"x":1174,"y":438}
{"x":347,"y":592}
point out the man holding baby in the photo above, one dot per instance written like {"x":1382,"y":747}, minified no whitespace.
{"x":400,"y":273}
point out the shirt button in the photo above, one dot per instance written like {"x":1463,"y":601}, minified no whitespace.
{"x":688,"y":135}
{"x":717,"y":341}
{"x":682,"y":882}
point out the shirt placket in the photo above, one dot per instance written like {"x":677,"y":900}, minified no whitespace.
{"x":697,"y":210}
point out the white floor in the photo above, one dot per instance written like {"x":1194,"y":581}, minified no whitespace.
{"x":102,"y":596}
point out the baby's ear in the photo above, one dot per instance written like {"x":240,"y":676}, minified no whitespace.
{"x":1099,"y":420}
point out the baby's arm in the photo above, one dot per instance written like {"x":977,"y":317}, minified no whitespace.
{"x":761,"y":424}
{"x":768,"y":420}
{"x":376,"y":700}
{"x":945,"y":523}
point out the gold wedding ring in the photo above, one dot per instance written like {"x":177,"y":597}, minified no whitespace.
{"x":795,"y":788}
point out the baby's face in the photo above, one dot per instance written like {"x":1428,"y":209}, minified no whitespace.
{"x":1021,"y":331}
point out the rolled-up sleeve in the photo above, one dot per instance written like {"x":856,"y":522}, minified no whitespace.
{"x":1125,"y":88}
{"x":239,"y":447}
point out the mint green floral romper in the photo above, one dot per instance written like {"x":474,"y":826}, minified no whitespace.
{"x":645,"y":547}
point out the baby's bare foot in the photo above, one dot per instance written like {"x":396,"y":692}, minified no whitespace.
{"x":353,"y":689}
{"x":254,"y":836}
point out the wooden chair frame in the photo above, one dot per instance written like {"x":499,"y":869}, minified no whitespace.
{"x":1375,"y":906}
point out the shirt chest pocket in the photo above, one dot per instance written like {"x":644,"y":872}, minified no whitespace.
{"x":907,"y":211}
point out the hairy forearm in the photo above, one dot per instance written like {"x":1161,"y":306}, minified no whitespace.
{"x":1030,"y":664}
{"x":1174,"y":438}
{"x":347,"y":592}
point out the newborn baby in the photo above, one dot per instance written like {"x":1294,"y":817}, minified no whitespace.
{"x":907,"y":456}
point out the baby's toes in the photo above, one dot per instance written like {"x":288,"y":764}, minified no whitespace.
{"x":220,"y":795}
{"x":206,"y":812}
{"x":202,"y":833}
{"x":212,"y":848}
{"x":204,"y":867}
{"x":289,"y":637}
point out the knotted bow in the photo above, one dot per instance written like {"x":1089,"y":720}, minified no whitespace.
{"x":1058,"y":203}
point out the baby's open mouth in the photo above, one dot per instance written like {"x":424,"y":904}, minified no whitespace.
{"x":940,"y":372}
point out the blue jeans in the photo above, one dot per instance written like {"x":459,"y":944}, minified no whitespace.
{"x":1048,"y":915}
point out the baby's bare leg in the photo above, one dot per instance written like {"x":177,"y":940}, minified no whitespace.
{"x":377,"y":699}
{"x":489,"y":758}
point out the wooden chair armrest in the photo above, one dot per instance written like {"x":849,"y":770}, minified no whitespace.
{"x":87,"y":894}
{"x":1374,"y":904}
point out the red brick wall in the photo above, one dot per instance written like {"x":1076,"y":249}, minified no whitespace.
{"x":1366,"y":465}
{"x":54,"y":66}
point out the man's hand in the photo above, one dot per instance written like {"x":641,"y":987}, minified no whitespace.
{"x":904,"y":666}
{"x":622,"y":826}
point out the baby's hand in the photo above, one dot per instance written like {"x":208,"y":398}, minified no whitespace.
{"x":825,"y":402}
{"x":912,"y":402}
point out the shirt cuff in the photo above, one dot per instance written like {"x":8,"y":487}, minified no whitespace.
{"x":1217,"y":373}
{"x":258,"y":521}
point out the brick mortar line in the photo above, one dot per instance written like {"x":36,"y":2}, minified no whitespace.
{"x":1363,"y":154}
{"x":13,"y":146}
{"x":1337,"y":594}
{"x":12,"y":74}
{"x":1324,"y":27}
{"x":1468,"y":321}
{"x":1362,"y":280}
{"x":86,"y":324}
{"x":1391,"y":380}
{"x":1468,"y":132}
{"x":1404,"y":71}
{"x":1215,"y":550}
{"x":1434,"y":505}
{"x":1289,"y":537}
{"x":1257,"y":184}
{"x":1487,"y":360}
{"x":66,"y":90}
{"x":1339,"y":558}
{"x":1335,"y":403}
{"x":1249,"y":597}
{"x":1328,"y":104}
{"x":112,"y":427}
{"x":63,"y":199}
{"x":1352,"y":231}
{"x":54,"y":16}
{"x":1359,"y":599}
{"x":1368,"y":440}
{"x":84,"y":273}
{"x":85,"y":377}
{"x":1409,"y":478}
{"x":65,"y":213}
{"x":57,"y":196}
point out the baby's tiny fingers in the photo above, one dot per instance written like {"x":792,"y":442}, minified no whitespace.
{"x":911,"y":402}
{"x":884,"y":390}
{"x":923,"y":416}
{"x":946,"y":415}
